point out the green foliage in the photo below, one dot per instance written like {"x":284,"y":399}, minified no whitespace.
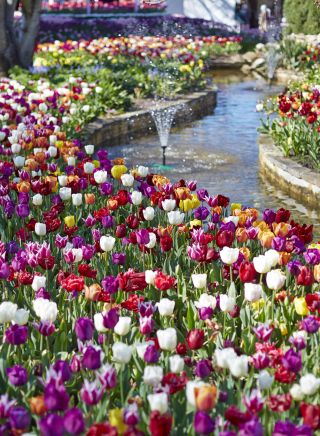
{"x":303,"y":16}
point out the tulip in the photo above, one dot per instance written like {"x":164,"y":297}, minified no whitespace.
{"x":73,"y":421}
{"x":205,"y":301}
{"x":122,"y":327}
{"x":150,"y":276}
{"x":21,"y":317}
{"x":227,"y":304}
{"x":176,"y":364}
{"x":175,"y":218}
{"x":261,"y":264}
{"x":195,"y":339}
{"x":107,"y":243}
{"x":296,"y":392}
{"x":91,"y":357}
{"x":77,"y":199}
{"x":127,"y":180}
{"x":38,"y":282}
{"x":224,"y":356}
{"x":148,"y":213}
{"x":166,"y":307}
{"x":84,"y":329}
{"x":100,"y":176}
{"x":7,"y":311}
{"x":275,"y":279}
{"x":265,"y":380}
{"x":46,"y":310}
{"x":65,"y":193}
{"x":252,"y":291}
{"x":158,"y":402}
{"x":17,"y":375}
{"x":168,"y":205}
{"x":89,"y":149}
{"x":309,"y":384}
{"x":203,"y":423}
{"x":40,"y":229}
{"x":121,"y":352}
{"x":136,"y":198}
{"x":167,"y":339}
{"x":143,"y":171}
{"x":199,"y":280}
{"x":153,"y":375}
{"x":191,"y":390}
{"x":37,"y":200}
{"x":300,"y":306}
{"x":118,"y":170}
{"x":229,"y":255}
{"x":239,"y":366}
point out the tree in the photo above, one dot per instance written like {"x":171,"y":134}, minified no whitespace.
{"x":18,"y":39}
{"x":303,"y":16}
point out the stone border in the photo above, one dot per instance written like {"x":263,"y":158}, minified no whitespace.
{"x":299,"y":182}
{"x":283,"y":76}
{"x":116,"y":130}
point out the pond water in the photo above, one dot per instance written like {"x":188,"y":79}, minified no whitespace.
{"x":220,"y":151}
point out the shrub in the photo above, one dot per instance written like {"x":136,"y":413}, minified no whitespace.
{"x":303,"y":16}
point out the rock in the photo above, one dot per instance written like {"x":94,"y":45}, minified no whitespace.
{"x":250,"y":56}
{"x":245,"y":69}
{"x":258,"y":63}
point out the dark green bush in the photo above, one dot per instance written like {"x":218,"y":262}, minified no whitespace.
{"x":303,"y":16}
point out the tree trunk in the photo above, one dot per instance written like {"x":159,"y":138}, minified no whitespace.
{"x":17,"y":45}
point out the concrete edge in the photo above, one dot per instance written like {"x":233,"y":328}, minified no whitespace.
{"x":116,"y":130}
{"x":301,"y":183}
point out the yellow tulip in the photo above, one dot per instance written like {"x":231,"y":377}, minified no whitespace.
{"x":195,"y":223}
{"x":258,"y":305}
{"x":186,"y":205}
{"x":69,"y":221}
{"x":235,"y":206}
{"x":118,"y":170}
{"x":116,"y":420}
{"x":195,"y":201}
{"x":283,"y":329}
{"x":96,"y":163}
{"x":301,"y":306}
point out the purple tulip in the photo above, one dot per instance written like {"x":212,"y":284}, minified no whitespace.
{"x":90,"y":221}
{"x":110,"y":318}
{"x":110,"y":284}
{"x":312,"y":256}
{"x":292,"y":361}
{"x":16,"y":334}
{"x":310,"y":324}
{"x":17,"y":375}
{"x":269,"y":216}
{"x":151,"y":354}
{"x":146,"y":308}
{"x":251,"y":427}
{"x":143,"y":237}
{"x":23,"y":210}
{"x":108,"y":376}
{"x":73,"y":421}
{"x":202,"y":194}
{"x":203,"y":368}
{"x":19,"y":418}
{"x":4,"y":270}
{"x":279,"y":243}
{"x":203,"y":423}
{"x":107,"y":221}
{"x":63,"y":369}
{"x":56,"y":398}
{"x":91,"y":357}
{"x":118,"y":258}
{"x":146,"y":324}
{"x":131,"y":415}
{"x":105,"y":188}
{"x":285,"y":428}
{"x":205,"y":313}
{"x":75,"y":364}
{"x":84,"y":329}
{"x":294,"y":267}
{"x":201,"y":213}
{"x":45,"y":328}
{"x":51,"y":425}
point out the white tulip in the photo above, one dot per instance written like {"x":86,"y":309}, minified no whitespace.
{"x":122,"y":327}
{"x":167,"y":339}
{"x":148,"y":213}
{"x":153,"y":375}
{"x":98,"y":323}
{"x":143,"y":171}
{"x":239,"y":366}
{"x":107,"y":243}
{"x":121,"y":352}
{"x":15,"y":148}
{"x":40,"y":229}
{"x":176,"y":363}
{"x":63,"y":180}
{"x":141,"y":348}
{"x":89,"y":149}
{"x":65,"y":193}
{"x":261,"y":264}
{"x":53,"y":151}
{"x":223,"y":357}
{"x":175,"y":217}
{"x":296,"y":392}
{"x":150,"y":276}
{"x":127,"y":179}
{"x":166,"y":307}
{"x":71,"y":161}
{"x":309,"y":384}
{"x":265,"y":380}
{"x":275,"y":279}
{"x":199,"y":281}
{"x":206,"y":300}
{"x":136,"y":198}
{"x":100,"y":176}
{"x":169,"y":205}
{"x":45,"y":309}
{"x":52,"y":139}
{"x":227,"y":303}
{"x":272,"y":257}
{"x":231,"y":219}
{"x":21,"y":317}
{"x":38,"y":282}
{"x":77,"y":199}
{"x":152,"y":240}
{"x":19,"y":161}
{"x":78,"y":254}
{"x":229,"y":255}
{"x":7,"y":311}
{"x":252,"y":292}
{"x":158,"y":402}
{"x":88,"y":167}
{"x":37,"y":200}
{"x":259,"y":107}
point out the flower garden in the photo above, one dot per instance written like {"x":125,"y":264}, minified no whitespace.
{"x":133,"y":304}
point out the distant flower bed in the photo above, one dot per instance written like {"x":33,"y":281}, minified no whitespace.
{"x":296,"y":127}
{"x":132,"y":304}
{"x":75,"y":6}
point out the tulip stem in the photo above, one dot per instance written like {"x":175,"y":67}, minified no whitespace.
{"x":121,"y":385}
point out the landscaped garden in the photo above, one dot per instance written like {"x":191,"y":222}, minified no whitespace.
{"x":133,"y":303}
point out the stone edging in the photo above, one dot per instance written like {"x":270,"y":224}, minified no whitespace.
{"x":299,"y":182}
{"x":104,"y":131}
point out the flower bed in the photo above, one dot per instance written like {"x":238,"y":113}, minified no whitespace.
{"x":135,"y":305}
{"x":74,"y":7}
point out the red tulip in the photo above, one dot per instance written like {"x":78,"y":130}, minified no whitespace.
{"x":195,"y":339}
{"x":160,"y":425}
{"x":164,"y":282}
{"x":132,"y":281}
{"x":305,"y":277}
{"x":311,"y":415}
{"x":247,"y":272}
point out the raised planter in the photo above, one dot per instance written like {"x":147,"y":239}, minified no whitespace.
{"x":116,"y":130}
{"x":232,"y":61}
{"x":283,"y":76}
{"x":299,"y":182}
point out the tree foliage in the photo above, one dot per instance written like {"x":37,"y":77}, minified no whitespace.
{"x":17,"y":38}
{"x":303,"y":16}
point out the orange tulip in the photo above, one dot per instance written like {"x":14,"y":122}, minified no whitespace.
{"x":206,"y":397}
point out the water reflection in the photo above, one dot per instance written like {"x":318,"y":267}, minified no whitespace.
{"x":220,"y":151}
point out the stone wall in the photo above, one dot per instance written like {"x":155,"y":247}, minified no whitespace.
{"x":120,"y":129}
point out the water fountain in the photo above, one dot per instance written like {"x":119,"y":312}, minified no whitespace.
{"x":273,"y":36}
{"x":163,"y":119}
